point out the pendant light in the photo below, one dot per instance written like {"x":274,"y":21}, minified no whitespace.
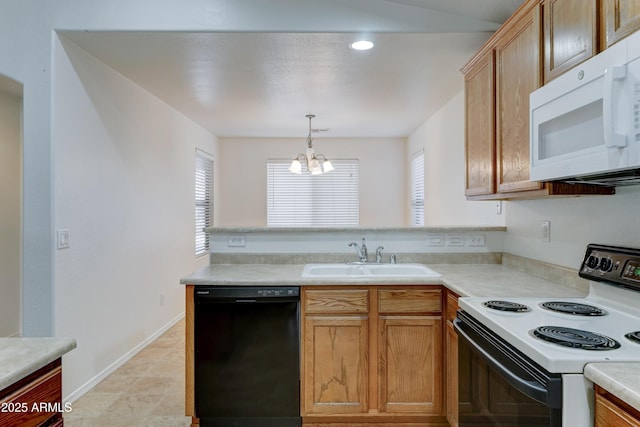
{"x":317,"y":164}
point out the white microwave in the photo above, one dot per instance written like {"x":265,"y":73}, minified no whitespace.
{"x":585,"y":125}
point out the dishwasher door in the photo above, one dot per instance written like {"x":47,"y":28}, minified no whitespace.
{"x":247,"y":347}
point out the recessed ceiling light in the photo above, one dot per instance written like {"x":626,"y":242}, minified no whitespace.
{"x":361,"y":45}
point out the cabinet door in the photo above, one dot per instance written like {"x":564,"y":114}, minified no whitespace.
{"x":451,"y":352}
{"x":335,"y":365}
{"x":480,"y":143}
{"x":570,"y":34}
{"x":518,"y":69}
{"x":622,"y":18}
{"x":410,"y":364}
{"x":451,"y":360}
{"x":610,"y":413}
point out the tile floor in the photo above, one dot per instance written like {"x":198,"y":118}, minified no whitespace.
{"x":148,"y":390}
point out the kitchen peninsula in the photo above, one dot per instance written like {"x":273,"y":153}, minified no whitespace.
{"x":371,"y":310}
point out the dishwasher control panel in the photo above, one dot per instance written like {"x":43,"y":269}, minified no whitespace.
{"x":271,"y":292}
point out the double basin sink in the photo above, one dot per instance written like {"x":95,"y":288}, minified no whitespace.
{"x":346,"y":271}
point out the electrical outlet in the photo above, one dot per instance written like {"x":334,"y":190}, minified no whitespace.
{"x":435,"y":240}
{"x":162,"y":299}
{"x":499,"y":207}
{"x":455,"y":240}
{"x":545,"y":231}
{"x":476,"y":240}
{"x":236,"y":241}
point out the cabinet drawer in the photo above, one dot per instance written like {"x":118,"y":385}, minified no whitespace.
{"x":45,"y":391}
{"x":409,"y":300}
{"x":452,"y":306}
{"x":336,"y":301}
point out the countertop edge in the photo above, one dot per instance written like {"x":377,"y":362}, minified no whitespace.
{"x":620,"y":379}
{"x":431,"y":229}
{"x":37,"y":358}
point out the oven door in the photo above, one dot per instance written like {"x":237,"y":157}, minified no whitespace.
{"x":500,"y":386}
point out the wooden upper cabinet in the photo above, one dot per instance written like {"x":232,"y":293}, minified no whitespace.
{"x":480,"y":126}
{"x":518,"y":73}
{"x":621,"y":18}
{"x":570,"y":34}
{"x":498,"y":82}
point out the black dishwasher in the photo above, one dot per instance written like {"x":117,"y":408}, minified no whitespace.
{"x":247,"y":349}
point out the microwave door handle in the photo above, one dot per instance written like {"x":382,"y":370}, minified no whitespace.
{"x":611,"y":138}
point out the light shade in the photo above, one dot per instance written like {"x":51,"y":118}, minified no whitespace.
{"x":327,"y":166}
{"x":296,"y":167}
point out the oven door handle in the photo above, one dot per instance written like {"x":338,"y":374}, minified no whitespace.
{"x":532,"y":389}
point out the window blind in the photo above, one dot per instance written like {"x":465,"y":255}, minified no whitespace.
{"x":417,"y":188}
{"x":327,"y":200}
{"x":204,"y":200}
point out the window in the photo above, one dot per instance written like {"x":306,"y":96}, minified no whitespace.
{"x":204,"y":200}
{"x":326,"y":200}
{"x":417,"y":189}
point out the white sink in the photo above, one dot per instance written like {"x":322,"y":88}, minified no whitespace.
{"x":368,"y":270}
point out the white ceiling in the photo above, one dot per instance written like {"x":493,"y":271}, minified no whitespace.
{"x":262,"y":84}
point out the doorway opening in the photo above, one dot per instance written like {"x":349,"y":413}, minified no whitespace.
{"x":11,"y":135}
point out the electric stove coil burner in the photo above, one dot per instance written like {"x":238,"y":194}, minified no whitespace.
{"x":634,"y":336}
{"x":575,"y":338}
{"x":506,"y":306}
{"x":573,"y":308}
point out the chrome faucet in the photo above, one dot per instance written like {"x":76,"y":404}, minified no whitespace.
{"x":379,"y":254}
{"x":361,"y":250}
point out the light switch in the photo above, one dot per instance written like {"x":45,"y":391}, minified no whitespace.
{"x":63,"y":238}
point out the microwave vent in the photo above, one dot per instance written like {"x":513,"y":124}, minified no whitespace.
{"x":610,"y":179}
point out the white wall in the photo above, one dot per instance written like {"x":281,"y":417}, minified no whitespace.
{"x":575,"y":222}
{"x":124,"y":186}
{"x":10,"y":212}
{"x":243,"y":191}
{"x":442,"y":138}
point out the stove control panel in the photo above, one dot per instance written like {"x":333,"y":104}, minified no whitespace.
{"x":614,"y":264}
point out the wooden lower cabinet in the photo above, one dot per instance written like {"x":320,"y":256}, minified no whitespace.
{"x":372,"y":356}
{"x":451,"y":359}
{"x":35,"y":400}
{"x":336,"y":364}
{"x":612,"y":412}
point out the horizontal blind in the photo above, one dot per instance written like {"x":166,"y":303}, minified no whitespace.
{"x":306,"y":200}
{"x":204,"y":200}
{"x":417,"y":188}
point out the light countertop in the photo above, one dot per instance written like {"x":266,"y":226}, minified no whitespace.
{"x":465,"y":279}
{"x":20,"y":357}
{"x":476,"y":280}
{"x":620,"y":379}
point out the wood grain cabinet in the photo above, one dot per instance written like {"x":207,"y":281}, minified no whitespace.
{"x":570,"y":34}
{"x":480,"y":109}
{"x":518,"y":73}
{"x":35,"y":400}
{"x":451,"y":352}
{"x":620,"y":19}
{"x":335,"y":351}
{"x":612,"y":412}
{"x":498,"y":82}
{"x":372,"y":354}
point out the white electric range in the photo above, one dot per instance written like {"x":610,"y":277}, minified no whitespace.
{"x":547,"y":342}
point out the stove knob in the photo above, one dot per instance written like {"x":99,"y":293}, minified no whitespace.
{"x":592,"y":262}
{"x":606,"y":264}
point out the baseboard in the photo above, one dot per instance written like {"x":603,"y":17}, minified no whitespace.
{"x":83,"y":389}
